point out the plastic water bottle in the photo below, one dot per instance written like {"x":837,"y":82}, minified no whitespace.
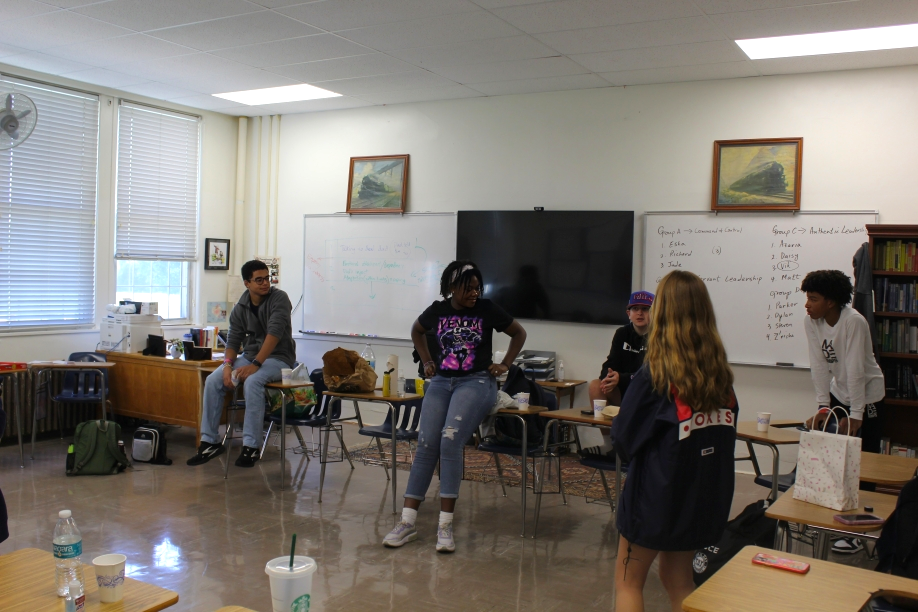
{"x":560,"y":371}
{"x":68,"y":547}
{"x":368,"y":356}
{"x":401,"y":384}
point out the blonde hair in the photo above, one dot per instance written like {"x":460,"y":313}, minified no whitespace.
{"x":684,"y":350}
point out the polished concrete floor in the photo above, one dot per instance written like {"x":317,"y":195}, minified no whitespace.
{"x":189,"y":530}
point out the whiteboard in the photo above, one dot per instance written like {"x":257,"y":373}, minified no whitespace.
{"x":753,"y":264}
{"x":373,"y":274}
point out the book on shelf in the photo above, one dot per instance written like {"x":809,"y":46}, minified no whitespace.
{"x":901,"y":380}
{"x":895,"y":256}
{"x":891,"y":296}
{"x":898,"y":336}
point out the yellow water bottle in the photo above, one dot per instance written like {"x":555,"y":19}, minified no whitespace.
{"x":386,"y":384}
{"x":419,"y":386}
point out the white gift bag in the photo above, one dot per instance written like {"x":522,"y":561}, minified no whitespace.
{"x":828,"y":469}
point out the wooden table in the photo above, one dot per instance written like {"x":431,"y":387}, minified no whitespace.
{"x":741,"y":586}
{"x":295,"y":384}
{"x":27,"y":585}
{"x":376,"y":397}
{"x":773,"y":438}
{"x":887,"y":469}
{"x":561,"y":387}
{"x":160,"y":389}
{"x":789,"y":510}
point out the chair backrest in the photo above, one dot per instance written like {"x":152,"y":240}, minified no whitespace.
{"x":84,"y":384}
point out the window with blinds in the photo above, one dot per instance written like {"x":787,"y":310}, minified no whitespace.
{"x":157,"y":206}
{"x":48,"y":212}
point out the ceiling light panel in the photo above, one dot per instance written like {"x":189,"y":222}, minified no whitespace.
{"x":276,"y":95}
{"x":826,"y":43}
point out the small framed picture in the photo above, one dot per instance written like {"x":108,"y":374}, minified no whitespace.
{"x":762,"y":174}
{"x":377,"y":184}
{"x":216,"y":254}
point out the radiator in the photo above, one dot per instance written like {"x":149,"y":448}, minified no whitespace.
{"x":70,"y":414}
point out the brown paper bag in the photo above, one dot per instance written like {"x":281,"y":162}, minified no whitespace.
{"x":347,"y":372}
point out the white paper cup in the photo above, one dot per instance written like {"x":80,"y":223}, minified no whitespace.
{"x":286,"y":376}
{"x":110,"y":577}
{"x":522,"y":401}
{"x":291,"y":590}
{"x":598,"y":405}
{"x":762,"y":421}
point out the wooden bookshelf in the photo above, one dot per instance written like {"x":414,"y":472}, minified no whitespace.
{"x":901,"y":415}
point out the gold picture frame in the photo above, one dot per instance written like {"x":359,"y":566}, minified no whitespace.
{"x":757,"y":174}
{"x":377,"y":185}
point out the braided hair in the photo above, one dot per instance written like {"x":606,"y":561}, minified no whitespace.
{"x":459,"y":274}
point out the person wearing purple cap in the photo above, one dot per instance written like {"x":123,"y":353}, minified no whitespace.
{"x":627,"y":353}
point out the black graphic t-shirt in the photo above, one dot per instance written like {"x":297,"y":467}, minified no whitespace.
{"x":626,"y":355}
{"x":463,"y":336}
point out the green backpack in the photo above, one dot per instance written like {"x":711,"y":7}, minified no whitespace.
{"x":95,"y":450}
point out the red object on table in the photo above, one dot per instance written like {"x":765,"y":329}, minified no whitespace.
{"x":13,"y":366}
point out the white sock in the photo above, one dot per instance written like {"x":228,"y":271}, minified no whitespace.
{"x":409,"y":516}
{"x":445,"y":518}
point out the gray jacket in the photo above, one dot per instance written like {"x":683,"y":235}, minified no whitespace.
{"x":248,"y":331}
{"x":863,"y":291}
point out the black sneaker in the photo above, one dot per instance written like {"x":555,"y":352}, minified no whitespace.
{"x":206,"y":452}
{"x":847,"y":546}
{"x":248,"y":457}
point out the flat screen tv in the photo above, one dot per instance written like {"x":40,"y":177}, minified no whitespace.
{"x":552,"y":265}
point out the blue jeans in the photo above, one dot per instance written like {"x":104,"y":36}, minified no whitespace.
{"x":452,"y":409}
{"x":254,"y":389}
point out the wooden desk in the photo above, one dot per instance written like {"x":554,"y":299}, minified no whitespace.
{"x":295,"y":384}
{"x":774,"y":437}
{"x":375,"y":397}
{"x":27,"y":585}
{"x":562,"y":387}
{"x":789,"y":510}
{"x":234,"y":609}
{"x":159,"y":388}
{"x":887,"y":469}
{"x":740,"y":586}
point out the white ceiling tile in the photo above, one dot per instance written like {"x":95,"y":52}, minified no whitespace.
{"x":576,"y":14}
{"x":661,"y":57}
{"x":266,"y":26}
{"x":712,"y":7}
{"x":275,"y":4}
{"x":55,"y":29}
{"x":675,"y":74}
{"x":632,"y":35}
{"x":205,"y":102}
{"x":390,"y":82}
{"x":42,"y":62}
{"x":14,"y":9}
{"x":524,"y":86}
{"x":334,"y":15}
{"x":190,"y":66}
{"x":120,"y":50}
{"x":238,"y":80}
{"x":343,"y":68}
{"x":69,"y":3}
{"x":424,"y":94}
{"x":290,"y":108}
{"x":817,"y":18}
{"x":838,"y":61}
{"x":491,"y":4}
{"x":293,"y":51}
{"x":106,"y":77}
{"x":476,"y":52}
{"x":6,"y":50}
{"x":160,"y":91}
{"x":512,"y":71}
{"x":431,"y":31}
{"x":142,"y":15}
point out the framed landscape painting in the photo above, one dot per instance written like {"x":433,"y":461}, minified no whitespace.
{"x":377,"y":184}
{"x":759,"y":174}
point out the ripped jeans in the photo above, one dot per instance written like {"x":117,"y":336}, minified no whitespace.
{"x":452,"y":409}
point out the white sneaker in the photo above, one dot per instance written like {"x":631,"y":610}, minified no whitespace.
{"x":847,"y":546}
{"x":445,"y":543}
{"x":401,"y":535}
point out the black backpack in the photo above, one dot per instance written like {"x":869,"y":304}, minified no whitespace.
{"x":898,"y":543}
{"x":150,"y":445}
{"x":510,"y":431}
{"x":751,"y":527}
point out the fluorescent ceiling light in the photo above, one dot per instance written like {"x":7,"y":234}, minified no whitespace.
{"x":274,"y":95}
{"x":848,"y":41}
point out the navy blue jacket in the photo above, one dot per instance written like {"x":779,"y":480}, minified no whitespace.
{"x":680,"y":482}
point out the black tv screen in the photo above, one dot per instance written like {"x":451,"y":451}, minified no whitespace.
{"x":552,"y":265}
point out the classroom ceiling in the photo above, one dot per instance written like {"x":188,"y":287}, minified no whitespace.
{"x":392,"y":51}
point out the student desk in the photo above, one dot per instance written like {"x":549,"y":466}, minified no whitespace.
{"x":524,"y":450}
{"x":160,"y":389}
{"x":774,"y":437}
{"x":283,"y":388}
{"x":741,"y":586}
{"x":374,"y":397}
{"x":789,"y":510}
{"x":27,"y":584}
{"x":560,"y":387}
{"x":887,"y":469}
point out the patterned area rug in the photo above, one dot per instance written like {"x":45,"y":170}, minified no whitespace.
{"x":579,"y":480}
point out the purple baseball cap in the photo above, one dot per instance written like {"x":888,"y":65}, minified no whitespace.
{"x":641,"y":298}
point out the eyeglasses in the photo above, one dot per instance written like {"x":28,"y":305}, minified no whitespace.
{"x":259,"y":280}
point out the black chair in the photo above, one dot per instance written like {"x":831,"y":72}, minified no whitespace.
{"x":407,"y":418}
{"x":785,"y":481}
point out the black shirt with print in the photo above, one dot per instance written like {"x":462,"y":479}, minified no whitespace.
{"x":626,"y":355}
{"x":463,"y":336}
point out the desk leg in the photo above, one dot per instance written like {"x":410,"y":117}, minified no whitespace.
{"x":774,"y":472}
{"x":538,"y":508}
{"x":283,"y":437}
{"x":780,"y":531}
{"x":524,"y":449}
{"x":821,"y":545}
{"x":17,"y":399}
{"x":324,"y":458}
{"x":394,"y":448}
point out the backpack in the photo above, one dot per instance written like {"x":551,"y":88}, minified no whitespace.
{"x":150,"y":445}
{"x":95,"y":450}
{"x":751,"y":527}
{"x":510,"y":431}
{"x":898,"y":543}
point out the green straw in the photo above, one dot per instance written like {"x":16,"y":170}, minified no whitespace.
{"x":292,"y":550}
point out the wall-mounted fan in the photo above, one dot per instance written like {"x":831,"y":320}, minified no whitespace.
{"x":18,"y":116}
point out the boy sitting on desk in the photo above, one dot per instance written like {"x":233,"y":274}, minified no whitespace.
{"x":260,"y":319}
{"x":627,"y":353}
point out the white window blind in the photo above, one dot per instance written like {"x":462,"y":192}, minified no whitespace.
{"x":157,"y":211}
{"x":48,"y":212}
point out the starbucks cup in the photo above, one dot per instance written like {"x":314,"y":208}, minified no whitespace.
{"x":291,"y":588}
